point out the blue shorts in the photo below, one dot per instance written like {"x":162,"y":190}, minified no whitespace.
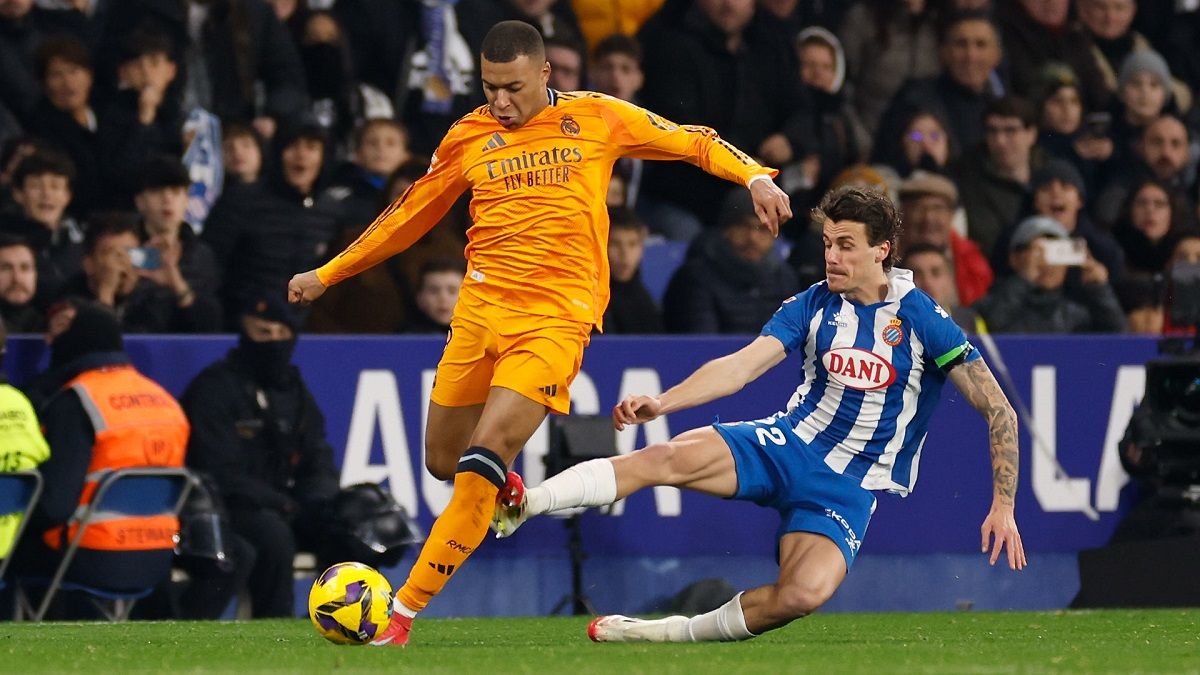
{"x":775,"y":468}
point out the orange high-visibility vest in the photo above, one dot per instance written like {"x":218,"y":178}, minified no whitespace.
{"x":137,"y":424}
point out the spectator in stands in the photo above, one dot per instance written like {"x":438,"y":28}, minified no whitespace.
{"x":995,"y":183}
{"x":94,"y":371}
{"x":969,"y":51}
{"x":380,"y":147}
{"x":187,"y":267}
{"x":19,"y":286}
{"x":567,"y":60}
{"x":1151,"y":222}
{"x":1064,"y":133}
{"x":616,"y":70}
{"x":22,"y":446}
{"x":65,"y":114}
{"x":1034,"y":299}
{"x":242,"y":152}
{"x":1037,"y":32}
{"x":329,"y":76}
{"x":719,"y":66}
{"x":616,"y":67}
{"x":924,"y":145}
{"x":41,"y":188}
{"x":23,"y":28}
{"x":927,"y":202}
{"x":1164,"y":153}
{"x":887,"y":43}
{"x":932,"y":273}
{"x":734,"y":279}
{"x":143,"y":118}
{"x":13,"y":152}
{"x":110,"y":279}
{"x":261,"y":235}
{"x":1058,"y":192}
{"x":1144,"y":95}
{"x":437,"y":292}
{"x":261,"y":437}
{"x":1187,"y":251}
{"x":827,"y":136}
{"x":241,"y":62}
{"x":1143,"y":299}
{"x":631,"y":309}
{"x":1109,"y":24}
{"x":618,"y":191}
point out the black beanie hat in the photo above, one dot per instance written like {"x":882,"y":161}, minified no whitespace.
{"x":94,"y":329}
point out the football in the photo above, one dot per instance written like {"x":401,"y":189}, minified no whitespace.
{"x":350,"y":603}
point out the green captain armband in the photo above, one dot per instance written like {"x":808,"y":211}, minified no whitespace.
{"x":954,"y":356}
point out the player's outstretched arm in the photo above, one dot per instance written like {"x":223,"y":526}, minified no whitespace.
{"x":716,"y":379}
{"x":999,"y":530}
{"x":305,"y":287}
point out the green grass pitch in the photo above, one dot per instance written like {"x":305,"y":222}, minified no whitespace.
{"x":1158,"y":641}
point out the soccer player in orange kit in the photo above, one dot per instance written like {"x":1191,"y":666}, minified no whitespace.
{"x":538,"y":163}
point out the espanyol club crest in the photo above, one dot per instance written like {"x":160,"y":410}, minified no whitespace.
{"x":892,"y":334}
{"x":858,"y":368}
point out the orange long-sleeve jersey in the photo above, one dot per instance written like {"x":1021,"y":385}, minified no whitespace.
{"x":539,"y":243}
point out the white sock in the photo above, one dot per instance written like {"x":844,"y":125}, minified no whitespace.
{"x":724,"y":623}
{"x":590,"y":483}
{"x":402,"y":609}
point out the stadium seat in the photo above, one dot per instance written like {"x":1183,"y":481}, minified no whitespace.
{"x":660,"y":261}
{"x":19,"y":492}
{"x":134,"y":492}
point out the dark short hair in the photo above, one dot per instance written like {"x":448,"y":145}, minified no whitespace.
{"x":8,"y":240}
{"x":232,"y":129}
{"x":144,"y":41}
{"x":44,"y":162}
{"x":108,"y":224}
{"x":962,"y":16}
{"x":618,"y":43}
{"x":925,"y":247}
{"x":1140,"y":290}
{"x":624,"y":218}
{"x":163,"y":171}
{"x":361,"y":130}
{"x":1012,"y":106}
{"x":438,"y":265}
{"x":509,"y":39}
{"x":872,"y":208}
{"x":65,"y":47}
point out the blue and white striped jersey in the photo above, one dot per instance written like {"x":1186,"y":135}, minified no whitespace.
{"x":870,"y":377}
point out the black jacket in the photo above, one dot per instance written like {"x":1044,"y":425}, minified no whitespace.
{"x":631,"y":310}
{"x":717,"y":292}
{"x":151,"y":308}
{"x":1015,"y":305}
{"x":82,"y":145}
{"x":59,"y":253}
{"x":264,"y":449}
{"x":961,"y":108}
{"x":125,"y":144}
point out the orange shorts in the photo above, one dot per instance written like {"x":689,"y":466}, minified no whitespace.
{"x":490,"y":346}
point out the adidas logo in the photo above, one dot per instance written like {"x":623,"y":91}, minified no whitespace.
{"x":442,"y":569}
{"x":549,"y":391}
{"x":494,"y":142}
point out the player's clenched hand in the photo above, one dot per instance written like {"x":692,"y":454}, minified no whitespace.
{"x":635,"y":410}
{"x":1000,"y":532}
{"x":305,"y":287}
{"x":771,"y":204}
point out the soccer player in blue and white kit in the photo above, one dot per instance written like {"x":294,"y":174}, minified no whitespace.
{"x":876,"y":353}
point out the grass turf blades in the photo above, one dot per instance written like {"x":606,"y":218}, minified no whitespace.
{"x":1155,"y":641}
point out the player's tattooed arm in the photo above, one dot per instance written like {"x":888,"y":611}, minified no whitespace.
{"x":977,"y":384}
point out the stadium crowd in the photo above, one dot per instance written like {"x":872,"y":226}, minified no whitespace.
{"x":173,"y":158}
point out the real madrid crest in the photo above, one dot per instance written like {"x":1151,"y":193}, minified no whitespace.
{"x":569,"y":126}
{"x":892,"y":334}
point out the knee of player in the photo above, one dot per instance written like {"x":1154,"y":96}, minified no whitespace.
{"x":799,"y":598}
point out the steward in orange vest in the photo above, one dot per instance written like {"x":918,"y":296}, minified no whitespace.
{"x":108,"y":416}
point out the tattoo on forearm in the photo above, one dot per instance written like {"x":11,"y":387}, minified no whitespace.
{"x":981,"y":390}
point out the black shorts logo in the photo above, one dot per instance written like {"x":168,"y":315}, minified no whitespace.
{"x":549,"y":391}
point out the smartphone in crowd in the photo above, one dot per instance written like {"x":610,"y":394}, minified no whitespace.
{"x":1097,"y":124}
{"x":1066,"y":252}
{"x":145,"y":257}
